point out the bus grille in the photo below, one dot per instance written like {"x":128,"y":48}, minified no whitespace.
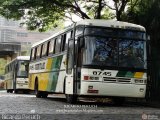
{"x":116,"y":80}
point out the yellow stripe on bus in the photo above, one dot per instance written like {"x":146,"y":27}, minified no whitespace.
{"x":43,"y":81}
{"x":138,"y":75}
{"x":49,"y":64}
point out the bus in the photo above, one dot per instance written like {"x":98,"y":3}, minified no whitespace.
{"x":16,"y":75}
{"x":91,"y":58}
{"x":1,"y":82}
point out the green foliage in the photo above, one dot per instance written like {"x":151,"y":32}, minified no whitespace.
{"x":46,"y":14}
{"x":146,"y":13}
{"x":39,"y":14}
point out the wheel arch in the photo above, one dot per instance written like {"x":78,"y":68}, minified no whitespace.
{"x":36,"y":82}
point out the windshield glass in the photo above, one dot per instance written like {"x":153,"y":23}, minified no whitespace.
{"x":131,"y":54}
{"x":23,"y":69}
{"x":107,"y":51}
{"x":100,"y":50}
{"x":119,"y":33}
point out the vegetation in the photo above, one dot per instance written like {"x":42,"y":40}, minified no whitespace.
{"x":146,"y":13}
{"x":45,"y":14}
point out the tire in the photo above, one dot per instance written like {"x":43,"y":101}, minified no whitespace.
{"x":44,"y":95}
{"x":11,"y":91}
{"x":37,"y":92}
{"x":8,"y":91}
{"x":71,"y":98}
{"x":26,"y":91}
{"x":15,"y":91}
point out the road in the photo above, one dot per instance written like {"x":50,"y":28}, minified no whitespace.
{"x":27,"y":106}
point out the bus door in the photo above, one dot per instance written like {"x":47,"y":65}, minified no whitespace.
{"x":69,"y":81}
{"x":79,"y":59}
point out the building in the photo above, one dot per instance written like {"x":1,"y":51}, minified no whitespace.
{"x":10,"y":31}
{"x":15,"y":40}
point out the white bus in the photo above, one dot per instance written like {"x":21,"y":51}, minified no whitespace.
{"x":16,"y":75}
{"x":92,"y":58}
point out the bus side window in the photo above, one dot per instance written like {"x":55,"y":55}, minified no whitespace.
{"x":38,"y":52}
{"x":67,"y":37}
{"x":51,"y":47}
{"x":58,"y":45}
{"x":32,"y":53}
{"x":35,"y":52}
{"x":48,"y":45}
{"x":71,"y":33}
{"x":70,"y":57}
{"x":44,"y":49}
{"x":63,"y":42}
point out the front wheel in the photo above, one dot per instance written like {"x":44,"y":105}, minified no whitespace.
{"x":44,"y":94}
{"x":71,"y":98}
{"x":15,"y":91}
{"x":37,"y":92}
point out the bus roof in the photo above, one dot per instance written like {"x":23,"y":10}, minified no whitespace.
{"x":98,"y":22}
{"x":20,"y":58}
{"x":111,"y":24}
{"x":23,"y":58}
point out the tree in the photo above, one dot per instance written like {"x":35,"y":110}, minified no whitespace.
{"x":146,"y":13}
{"x":44,"y":14}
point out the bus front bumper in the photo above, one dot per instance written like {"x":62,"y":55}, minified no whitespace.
{"x":112,"y":89}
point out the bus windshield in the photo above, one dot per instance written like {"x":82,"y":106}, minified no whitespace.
{"x":111,"y":51}
{"x":23,"y":69}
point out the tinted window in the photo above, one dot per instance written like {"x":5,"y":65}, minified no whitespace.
{"x":67,"y":37}
{"x":38,"y":52}
{"x":58,"y":45}
{"x":51,"y":46}
{"x":33,"y":52}
{"x":44,"y":49}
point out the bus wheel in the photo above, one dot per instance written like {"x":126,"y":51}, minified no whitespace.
{"x":118,"y":100}
{"x":8,"y":91}
{"x":11,"y":91}
{"x":37,"y":92}
{"x":71,"y":98}
{"x":15,"y":91}
{"x":44,"y":95}
{"x":26,"y":91}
